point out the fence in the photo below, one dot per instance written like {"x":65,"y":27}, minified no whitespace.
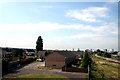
{"x":73,"y":69}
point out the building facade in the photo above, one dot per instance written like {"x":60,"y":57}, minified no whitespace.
{"x":59,"y":59}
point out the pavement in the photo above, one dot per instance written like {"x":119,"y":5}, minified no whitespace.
{"x":33,"y":69}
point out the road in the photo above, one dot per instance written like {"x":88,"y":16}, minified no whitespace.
{"x":32,"y":69}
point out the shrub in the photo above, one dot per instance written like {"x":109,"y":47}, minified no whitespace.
{"x":86,"y":60}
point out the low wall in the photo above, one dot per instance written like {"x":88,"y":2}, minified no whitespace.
{"x":72,"y":69}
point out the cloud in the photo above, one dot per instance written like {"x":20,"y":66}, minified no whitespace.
{"x":106,"y":28}
{"x":85,"y":35}
{"x":89,"y":15}
{"x":97,"y":36}
{"x":94,"y":41}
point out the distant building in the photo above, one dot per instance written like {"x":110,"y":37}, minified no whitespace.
{"x":73,"y":49}
{"x":93,"y":50}
{"x":59,"y":59}
{"x":87,"y":50}
{"x":78,"y":50}
{"x":111,"y":50}
{"x":105,"y":50}
{"x":4,"y":53}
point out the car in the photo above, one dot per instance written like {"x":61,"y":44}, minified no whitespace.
{"x":41,"y":60}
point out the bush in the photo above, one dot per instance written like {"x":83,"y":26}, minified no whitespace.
{"x":5,"y":62}
{"x":86,"y":60}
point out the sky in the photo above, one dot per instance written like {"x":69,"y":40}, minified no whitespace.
{"x":62,"y":25}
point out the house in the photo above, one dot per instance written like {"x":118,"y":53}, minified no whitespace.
{"x":41,"y":54}
{"x":59,"y":59}
{"x":79,"y":55}
{"x":4,"y":53}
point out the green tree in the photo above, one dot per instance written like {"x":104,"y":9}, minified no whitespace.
{"x":98,"y":50}
{"x":100,"y":54}
{"x":18,"y":53}
{"x":105,"y":54}
{"x":86,"y":60}
{"x":39,"y":44}
{"x":48,"y":52}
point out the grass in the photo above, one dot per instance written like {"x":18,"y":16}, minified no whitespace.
{"x":41,"y":76}
{"x":105,"y":69}
{"x":43,"y":67}
{"x":38,"y":77}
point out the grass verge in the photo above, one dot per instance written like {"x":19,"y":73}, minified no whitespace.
{"x":104,"y":69}
{"x":38,"y":77}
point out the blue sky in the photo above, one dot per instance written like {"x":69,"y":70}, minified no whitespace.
{"x":62,"y":25}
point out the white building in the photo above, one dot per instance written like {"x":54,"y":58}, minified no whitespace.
{"x":111,"y":50}
{"x":105,"y":50}
{"x":89,"y":50}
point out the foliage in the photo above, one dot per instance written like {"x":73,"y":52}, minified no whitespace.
{"x":106,"y":54}
{"x":98,"y":50}
{"x":48,"y":52}
{"x":99,"y":53}
{"x":5,"y":62}
{"x":114,"y":52}
{"x":39,"y":44}
{"x":18,"y":53}
{"x":86,"y":60}
{"x":41,"y":57}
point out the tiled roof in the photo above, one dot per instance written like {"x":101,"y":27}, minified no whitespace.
{"x":66,"y":54}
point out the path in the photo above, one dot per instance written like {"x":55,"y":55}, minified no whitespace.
{"x":107,"y":59}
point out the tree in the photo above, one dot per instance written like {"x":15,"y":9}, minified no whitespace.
{"x":39,"y":44}
{"x":48,"y":52}
{"x":18,"y":53}
{"x":106,"y":54}
{"x":98,"y":50}
{"x":86,"y":60}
